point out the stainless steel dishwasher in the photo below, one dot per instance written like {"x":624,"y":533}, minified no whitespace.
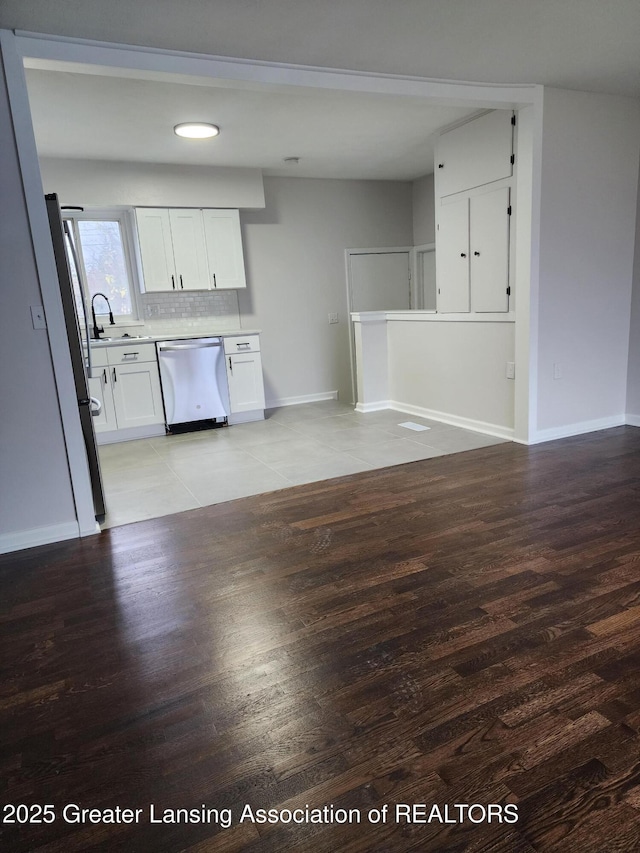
{"x":194,"y":381}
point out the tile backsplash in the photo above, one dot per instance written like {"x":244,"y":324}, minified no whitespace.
{"x":164,"y":313}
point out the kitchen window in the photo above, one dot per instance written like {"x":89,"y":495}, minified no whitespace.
{"x":103,"y":240}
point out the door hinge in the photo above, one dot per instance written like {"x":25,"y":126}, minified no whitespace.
{"x":513,"y":159}
{"x":509,"y":211}
{"x":509,"y":290}
{"x":513,"y":120}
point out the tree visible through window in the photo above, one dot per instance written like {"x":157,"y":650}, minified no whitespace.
{"x":104,"y":265}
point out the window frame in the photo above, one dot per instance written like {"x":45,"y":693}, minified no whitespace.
{"x":124,"y":217}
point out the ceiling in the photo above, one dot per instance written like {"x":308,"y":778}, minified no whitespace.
{"x":335,"y":134}
{"x":579,"y":44}
{"x":591,"y":45}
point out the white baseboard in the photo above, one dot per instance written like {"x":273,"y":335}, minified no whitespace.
{"x":305,"y":398}
{"x":632,"y":420}
{"x":454,"y":420}
{"x":365,"y":408}
{"x":38,"y":536}
{"x":579,"y":428}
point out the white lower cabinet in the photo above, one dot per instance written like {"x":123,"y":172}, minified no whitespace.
{"x":99,"y":388}
{"x":136,"y":395}
{"x":128,"y":387}
{"x":244,"y":372}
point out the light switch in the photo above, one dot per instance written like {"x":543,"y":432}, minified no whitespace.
{"x":333,"y":318}
{"x":511,"y":370}
{"x":37,"y":317}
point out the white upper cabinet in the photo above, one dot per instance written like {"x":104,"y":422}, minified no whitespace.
{"x":472,"y":254}
{"x":189,"y":252}
{"x":489,"y":250}
{"x":476,"y":153}
{"x":156,"y":249}
{"x":452,"y":257}
{"x":224,"y":248}
{"x":190,"y":249}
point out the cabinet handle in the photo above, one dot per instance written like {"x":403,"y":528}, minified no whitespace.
{"x":173,"y":281}
{"x":243,"y":345}
{"x":463,"y":254}
{"x":181,"y":284}
{"x":230,"y":365}
{"x":130,"y":354}
{"x":477,"y":254}
{"x":440,"y":165}
{"x":115,"y":378}
{"x":104,"y":375}
{"x":215,"y":283}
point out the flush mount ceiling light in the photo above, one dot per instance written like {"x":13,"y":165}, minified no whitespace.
{"x":196,"y":130}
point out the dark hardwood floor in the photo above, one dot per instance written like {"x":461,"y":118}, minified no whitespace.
{"x":463,"y":630}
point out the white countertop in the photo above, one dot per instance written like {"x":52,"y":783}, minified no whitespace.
{"x":214,"y":333}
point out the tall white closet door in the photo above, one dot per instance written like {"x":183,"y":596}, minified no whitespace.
{"x":452,"y":257}
{"x":489,"y":250}
{"x":187,"y":235}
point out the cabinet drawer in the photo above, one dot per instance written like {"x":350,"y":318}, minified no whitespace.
{"x":247,"y":343}
{"x":131,"y":353}
{"x":99,"y":357}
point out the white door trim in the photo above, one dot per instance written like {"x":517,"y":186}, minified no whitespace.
{"x":48,"y":278}
{"x":417,"y":288}
{"x":44,"y":46}
{"x":348,"y":254}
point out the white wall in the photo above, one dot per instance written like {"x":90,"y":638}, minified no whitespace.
{"x":590,"y":153}
{"x":457,"y":369}
{"x":295,"y":261}
{"x":424,"y":214}
{"x":36,"y":501}
{"x":633,"y":378}
{"x":104,"y":183}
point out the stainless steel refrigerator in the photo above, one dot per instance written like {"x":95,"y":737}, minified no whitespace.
{"x":62,"y":238}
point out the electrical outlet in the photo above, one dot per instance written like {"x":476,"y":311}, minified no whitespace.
{"x":37,"y":317}
{"x":557,"y":370}
{"x":333,"y":318}
{"x":511,"y":370}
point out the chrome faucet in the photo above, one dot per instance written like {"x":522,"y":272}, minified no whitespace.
{"x":98,"y":330}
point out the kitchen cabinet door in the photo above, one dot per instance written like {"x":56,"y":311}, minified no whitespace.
{"x":100,"y":389}
{"x":156,"y":249}
{"x":489,"y":250}
{"x":246,"y":386}
{"x":136,"y":394}
{"x":452,"y":257}
{"x":189,"y":252}
{"x":224,"y":249}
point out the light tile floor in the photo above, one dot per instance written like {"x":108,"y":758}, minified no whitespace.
{"x":297,"y":444}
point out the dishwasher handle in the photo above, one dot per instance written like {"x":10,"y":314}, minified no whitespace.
{"x":173,"y":347}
